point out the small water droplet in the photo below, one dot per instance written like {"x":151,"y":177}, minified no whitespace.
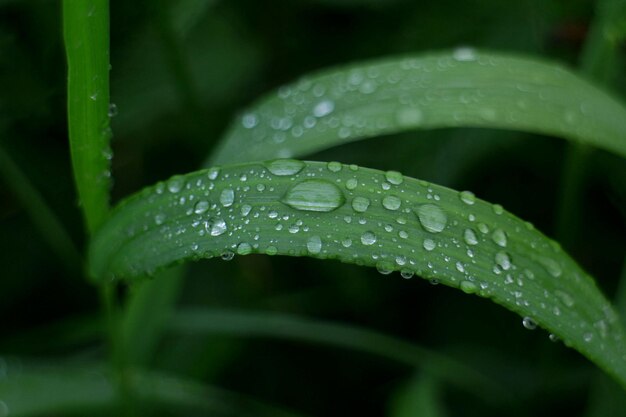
{"x":314,"y":245}
{"x":468,"y":287}
{"x":529,"y":323}
{"x":409,"y":117}
{"x":323,"y":108}
{"x":431,"y":217}
{"x":553,"y":337}
{"x":394,"y":177}
{"x":499,"y":237}
{"x":384,"y":267}
{"x":228,"y":255}
{"x":464,"y":54}
{"x":407,"y":273}
{"x":112,"y":110}
{"x":245,"y":209}
{"x":429,"y":244}
{"x":175,"y":184}
{"x":227,"y":197}
{"x":284,"y":167}
{"x":212,"y":173}
{"x":588,"y":337}
{"x":467,"y":197}
{"x":249,"y":120}
{"x":497,"y":209}
{"x":334,"y":166}
{"x":470,"y":237}
{"x":201,"y":207}
{"x":159,"y":219}
{"x":314,"y":195}
{"x":368,"y":238}
{"x":565,"y":298}
{"x":391,"y":202}
{"x":271,"y":250}
{"x":244,"y":248}
{"x":360,"y":204}
{"x":551,"y":266}
{"x":351,"y":183}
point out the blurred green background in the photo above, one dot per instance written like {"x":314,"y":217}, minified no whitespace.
{"x":180,"y":71}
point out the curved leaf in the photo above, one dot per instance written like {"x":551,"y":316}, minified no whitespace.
{"x":367,"y":217}
{"x":463,"y":88}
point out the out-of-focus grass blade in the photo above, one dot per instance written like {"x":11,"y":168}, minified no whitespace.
{"x":276,"y":325}
{"x":419,"y":397}
{"x":366,"y":217}
{"x":464,"y":87}
{"x":45,"y":390}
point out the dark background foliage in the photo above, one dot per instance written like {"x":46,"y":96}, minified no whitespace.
{"x":181,"y":70}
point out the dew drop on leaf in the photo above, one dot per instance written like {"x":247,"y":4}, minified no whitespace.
{"x":201,"y":207}
{"x":360,"y":204}
{"x":431,"y":217}
{"x":227,"y":197}
{"x":284,"y":167}
{"x":244,"y":248}
{"x":529,"y":323}
{"x":467,"y":197}
{"x":391,"y":202}
{"x":468,"y":287}
{"x":314,"y":245}
{"x":175,"y":184}
{"x":499,"y":237}
{"x":314,"y":195}
{"x":368,"y":238}
{"x":394,"y":177}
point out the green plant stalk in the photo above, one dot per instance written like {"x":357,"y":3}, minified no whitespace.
{"x":86,"y":34}
{"x":599,"y":61}
{"x":41,"y":214}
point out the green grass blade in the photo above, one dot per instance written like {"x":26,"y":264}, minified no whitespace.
{"x":41,"y":214}
{"x":44,"y":390}
{"x":463,"y":88}
{"x":86,"y":34}
{"x":420,"y":397}
{"x":366,"y":217}
{"x":276,"y":325}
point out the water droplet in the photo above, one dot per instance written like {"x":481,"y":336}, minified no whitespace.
{"x":314,"y":195}
{"x":245,"y":209}
{"x":409,"y":117}
{"x":391,"y":202}
{"x":244,"y":248}
{"x":429,"y":244}
{"x":323,"y":108}
{"x":334,"y":166}
{"x":484,"y":229}
{"x":284,"y":167}
{"x":215,"y":227}
{"x":470,"y":237}
{"x":553,"y":337}
{"x":212,"y":173}
{"x":588,"y":337}
{"x":499,"y":237}
{"x":468,"y":287}
{"x":228,"y":255}
{"x":314,"y":245}
{"x":159,"y":219}
{"x":201,"y":207}
{"x":551,"y":266}
{"x":497,"y":209}
{"x":368,"y":238}
{"x":394,"y":177}
{"x":175,"y":184}
{"x":271,"y":250}
{"x":467,"y":197}
{"x":351,"y":183}
{"x":227,"y":197}
{"x":407,"y":273}
{"x":529,"y":323}
{"x":360,"y":204}
{"x":564,"y":297}
{"x":384,"y":267}
{"x":249,"y":120}
{"x":503,"y":260}
{"x":112,"y":110}
{"x":431,"y":217}
{"x":464,"y":54}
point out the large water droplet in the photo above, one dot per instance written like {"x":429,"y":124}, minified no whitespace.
{"x":470,"y":237}
{"x":431,"y":217}
{"x":467,"y":197}
{"x":499,"y":237}
{"x":394,"y":177}
{"x":429,"y":244}
{"x":360,"y":204}
{"x":391,"y":202}
{"x":351,"y":183}
{"x":323,"y":108}
{"x":314,"y":195}
{"x":503,"y":260}
{"x":284,"y":167}
{"x":215,"y":227}
{"x":244,"y":248}
{"x":227,"y":197}
{"x":368,"y":238}
{"x":314,"y":245}
{"x":175,"y":184}
{"x":201,"y":207}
